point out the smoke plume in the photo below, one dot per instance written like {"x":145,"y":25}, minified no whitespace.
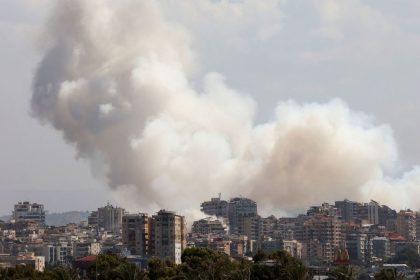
{"x":116,"y":80}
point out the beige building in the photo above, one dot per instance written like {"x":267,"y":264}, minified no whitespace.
{"x":406,"y":224}
{"x":169,"y":235}
{"x":29,"y":212}
{"x":321,"y":234}
{"x":29,"y":258}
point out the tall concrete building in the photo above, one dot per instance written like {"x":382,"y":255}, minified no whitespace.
{"x":136,"y":233}
{"x":348,"y":209}
{"x":93,"y":219}
{"x":169,"y":235}
{"x":108,"y":217}
{"x":26,"y":211}
{"x":325,"y":208}
{"x":230,"y":211}
{"x":406,"y":224}
{"x":362,"y":213}
{"x":359,"y":247}
{"x":321,"y":235}
{"x":385,"y":214}
{"x":373,"y":212}
{"x":381,"y":248}
{"x":249,"y":225}
{"x":240,"y":206}
{"x":216,"y":207}
{"x":209,"y":226}
{"x":418,"y":226}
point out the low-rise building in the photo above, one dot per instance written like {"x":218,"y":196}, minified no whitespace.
{"x":36,"y":262}
{"x":83,"y":249}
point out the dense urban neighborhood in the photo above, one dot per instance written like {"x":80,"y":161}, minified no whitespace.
{"x":347,"y":236}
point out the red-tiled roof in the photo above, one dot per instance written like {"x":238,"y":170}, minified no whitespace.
{"x":395,"y":236}
{"x":87,"y":259}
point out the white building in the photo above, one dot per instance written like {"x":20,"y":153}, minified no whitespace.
{"x":58,"y":253}
{"x":83,"y":249}
{"x":293,"y":247}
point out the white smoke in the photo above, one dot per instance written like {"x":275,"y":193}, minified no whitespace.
{"x":116,"y":80}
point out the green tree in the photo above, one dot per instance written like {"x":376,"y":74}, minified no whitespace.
{"x":104,"y":266}
{"x":61,"y":273}
{"x":128,"y":271}
{"x":345,"y":273}
{"x":407,"y":256}
{"x":389,"y":274}
{"x":278,"y":265}
{"x":162,"y":270}
{"x":21,"y":272}
{"x":202,"y":263}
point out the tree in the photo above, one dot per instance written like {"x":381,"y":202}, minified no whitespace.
{"x":407,"y":256}
{"x":62,"y":273}
{"x":158,"y":269}
{"x":127,"y":271}
{"x":345,"y":273}
{"x":202,"y":263}
{"x":389,"y":274}
{"x":281,"y":266}
{"x":20,"y":272}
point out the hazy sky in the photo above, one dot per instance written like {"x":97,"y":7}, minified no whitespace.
{"x":364,"y":52}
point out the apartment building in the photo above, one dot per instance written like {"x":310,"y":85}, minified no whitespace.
{"x":348,"y":209}
{"x":381,"y":248}
{"x":406,"y":224}
{"x":293,"y":247}
{"x":321,"y":235}
{"x":26,"y":258}
{"x":29,"y":212}
{"x":359,"y":247}
{"x":58,"y":253}
{"x":169,"y":235}
{"x":136,"y":230}
{"x":83,"y":249}
{"x":215,"y":207}
{"x":108,"y":218}
{"x":209,"y":226}
{"x":249,"y":225}
{"x":230,"y":211}
{"x":238,"y":207}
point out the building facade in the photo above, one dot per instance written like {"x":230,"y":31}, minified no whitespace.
{"x":169,"y":235}
{"x":406,"y":224}
{"x":136,"y":233}
{"x":29,"y":212}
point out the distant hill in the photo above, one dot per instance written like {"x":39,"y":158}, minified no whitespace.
{"x":4,"y":218}
{"x":61,"y":219}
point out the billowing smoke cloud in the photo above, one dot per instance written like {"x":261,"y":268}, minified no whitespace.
{"x":116,"y":80}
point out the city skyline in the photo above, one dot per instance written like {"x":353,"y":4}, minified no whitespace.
{"x":205,"y":208}
{"x":361,"y":145}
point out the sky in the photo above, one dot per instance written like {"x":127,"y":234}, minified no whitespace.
{"x":363,"y":52}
